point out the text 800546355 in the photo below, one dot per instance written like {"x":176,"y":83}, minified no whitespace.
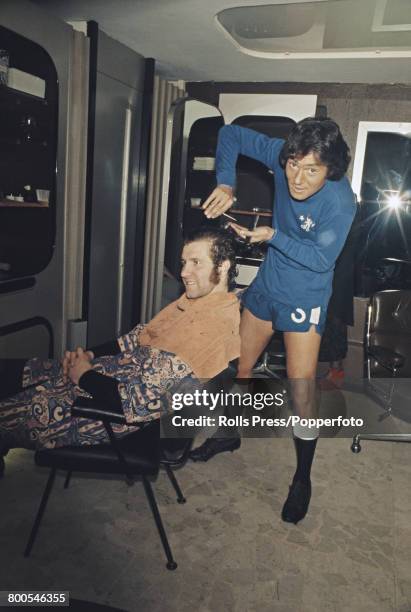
{"x":34,"y":598}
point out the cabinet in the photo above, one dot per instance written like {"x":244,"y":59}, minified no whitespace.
{"x":28,"y":145}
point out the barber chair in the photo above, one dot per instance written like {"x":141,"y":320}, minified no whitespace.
{"x":394,"y":273}
{"x":136,"y":455}
{"x":272,"y":361}
{"x":387,"y":356}
{"x":383,"y":274}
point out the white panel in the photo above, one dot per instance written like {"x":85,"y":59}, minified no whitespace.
{"x":76,"y":174}
{"x":246,"y":274}
{"x":123,"y":219}
{"x":79,"y":26}
{"x":295,"y":107}
{"x":356,"y":332}
{"x":194,"y":112}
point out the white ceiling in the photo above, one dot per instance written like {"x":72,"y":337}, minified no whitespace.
{"x":183,"y":37}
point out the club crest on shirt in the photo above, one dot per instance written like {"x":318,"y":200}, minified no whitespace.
{"x":307,"y":223}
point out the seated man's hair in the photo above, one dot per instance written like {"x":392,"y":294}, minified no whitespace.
{"x":223,"y":247}
{"x":323,"y":138}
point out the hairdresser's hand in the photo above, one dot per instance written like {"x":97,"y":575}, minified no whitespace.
{"x":79,"y":364}
{"x":220,"y":200}
{"x":259,"y":234}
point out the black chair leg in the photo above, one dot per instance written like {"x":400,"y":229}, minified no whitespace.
{"x":171,"y":564}
{"x":40,"y":512}
{"x":67,"y":481}
{"x":180,"y":497}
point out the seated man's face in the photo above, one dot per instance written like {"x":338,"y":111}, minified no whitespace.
{"x":197,"y":272}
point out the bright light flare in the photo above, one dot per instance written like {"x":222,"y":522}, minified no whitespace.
{"x":394,"y":201}
{"x":391,"y":198}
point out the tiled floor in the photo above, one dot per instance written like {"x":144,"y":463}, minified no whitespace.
{"x":351,"y":553}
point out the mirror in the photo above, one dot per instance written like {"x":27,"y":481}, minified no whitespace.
{"x":382,"y":181}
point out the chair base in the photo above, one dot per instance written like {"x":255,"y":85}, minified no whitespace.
{"x":180,"y":497}
{"x":40,"y":512}
{"x":267,"y":371}
{"x":170,"y":565}
{"x":400,"y":437}
{"x":270,"y":370}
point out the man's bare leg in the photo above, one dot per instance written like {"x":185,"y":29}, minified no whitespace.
{"x":255,"y":334}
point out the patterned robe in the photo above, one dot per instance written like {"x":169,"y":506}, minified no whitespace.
{"x":40,"y":415}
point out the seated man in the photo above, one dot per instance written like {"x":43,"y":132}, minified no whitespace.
{"x":193,"y":338}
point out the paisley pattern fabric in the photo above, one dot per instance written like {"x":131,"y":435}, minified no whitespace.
{"x":40,"y":415}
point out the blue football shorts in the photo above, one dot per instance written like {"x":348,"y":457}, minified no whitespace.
{"x":283,"y":316}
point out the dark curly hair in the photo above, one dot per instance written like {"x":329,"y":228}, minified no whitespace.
{"x":322,"y":137}
{"x":223,"y":247}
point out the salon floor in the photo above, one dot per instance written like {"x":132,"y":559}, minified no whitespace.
{"x":351,"y":553}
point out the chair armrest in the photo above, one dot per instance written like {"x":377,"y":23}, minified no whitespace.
{"x":386,"y":357}
{"x":88,"y":408}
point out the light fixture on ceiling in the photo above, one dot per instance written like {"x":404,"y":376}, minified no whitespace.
{"x":319,"y":29}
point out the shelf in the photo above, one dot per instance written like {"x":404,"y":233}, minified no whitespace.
{"x":12,"y":92}
{"x":11,"y":204}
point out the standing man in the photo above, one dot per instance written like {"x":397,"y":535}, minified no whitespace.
{"x":313,"y":210}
